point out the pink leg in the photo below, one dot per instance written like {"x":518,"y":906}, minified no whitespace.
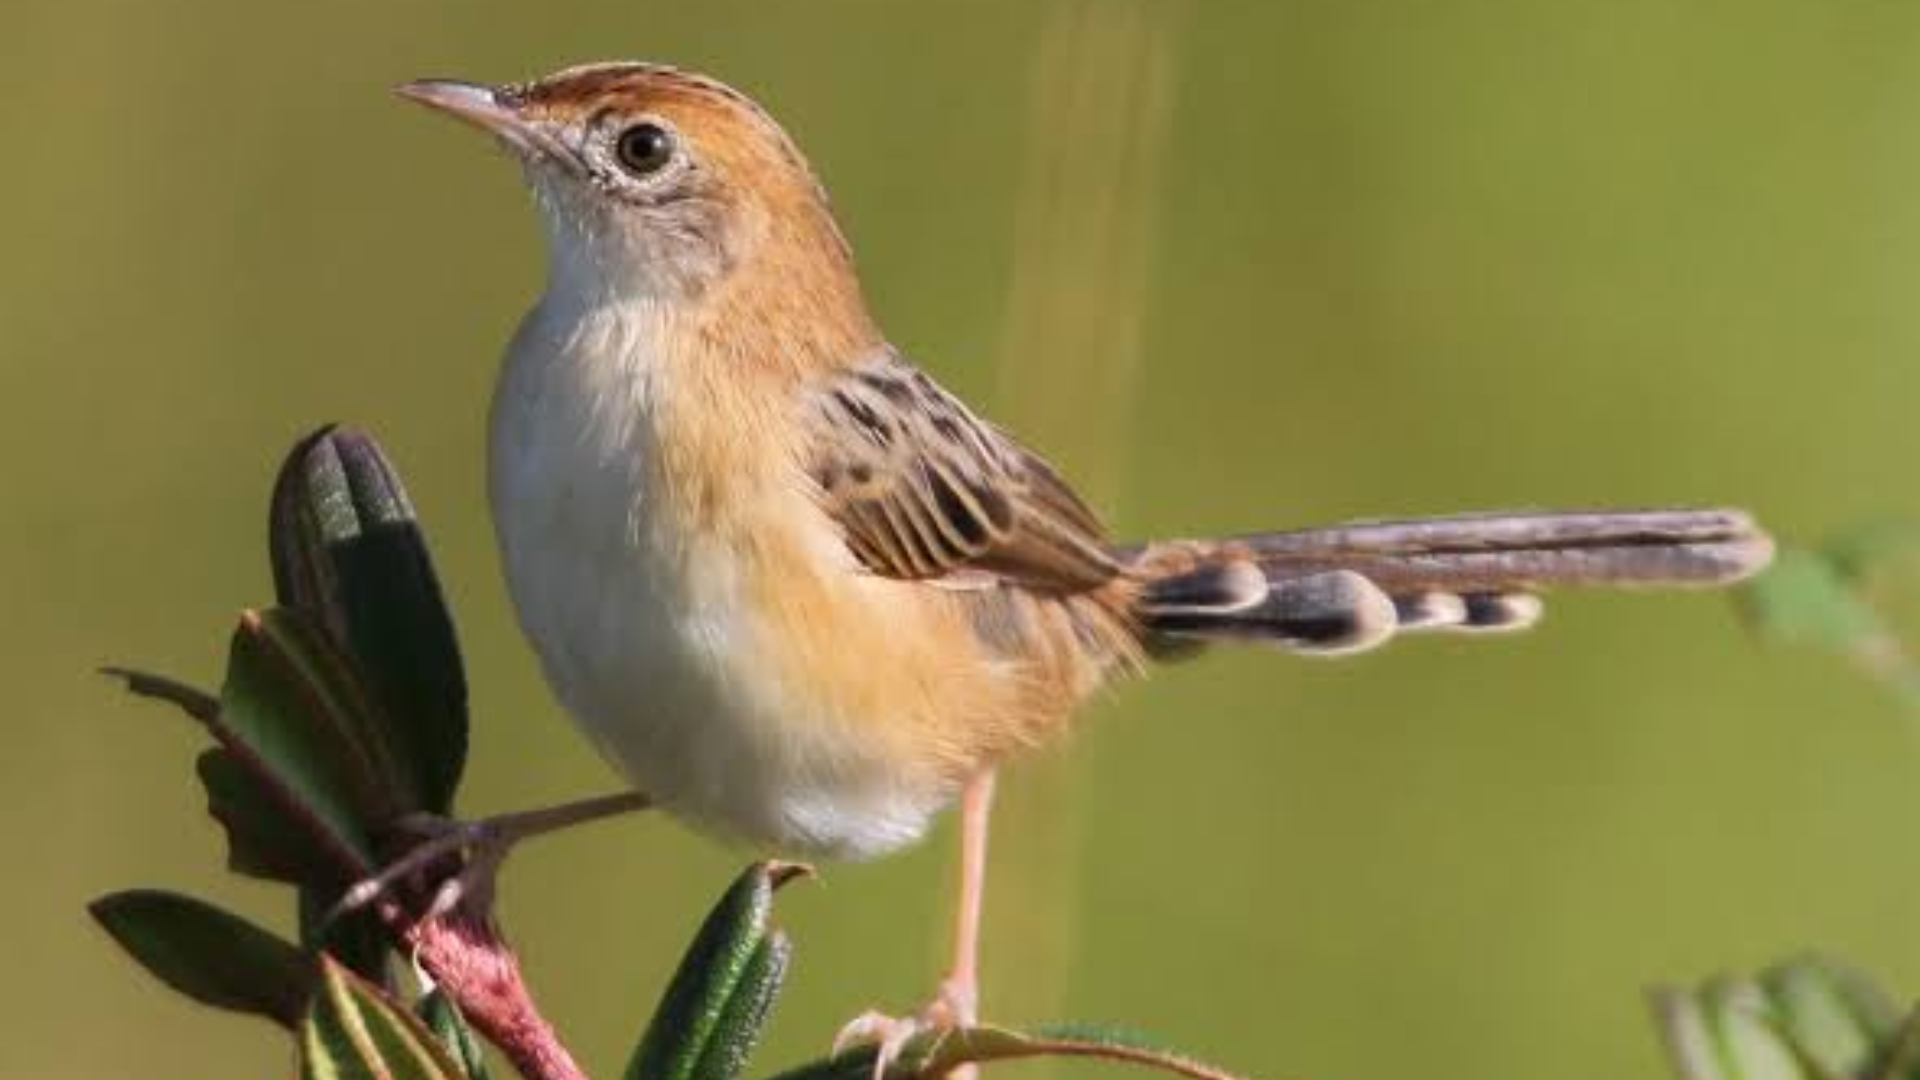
{"x":957,"y":1004}
{"x":962,"y":986}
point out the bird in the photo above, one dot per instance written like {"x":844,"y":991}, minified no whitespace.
{"x":802,"y":596}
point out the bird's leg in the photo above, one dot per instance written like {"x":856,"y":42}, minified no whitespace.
{"x":962,"y":984}
{"x":956,"y":1002}
{"x":482,"y":844}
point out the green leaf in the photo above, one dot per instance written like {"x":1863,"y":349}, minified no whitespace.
{"x":1831,"y":1016}
{"x":273,"y":829}
{"x":1901,"y":1059}
{"x":264,"y":838}
{"x":745,"y":1014}
{"x":937,"y":1054}
{"x":1806,"y":598}
{"x":268,"y":831}
{"x":354,"y":1032}
{"x":1690,"y":1041}
{"x":348,"y":549}
{"x":359,"y":940}
{"x":1752,"y":1044}
{"x":1808,"y":1018}
{"x":292,"y":713}
{"x":191,"y":700}
{"x":443,"y":1018}
{"x":694,"y":1014}
{"x":210,"y":955}
{"x":1860,"y":549}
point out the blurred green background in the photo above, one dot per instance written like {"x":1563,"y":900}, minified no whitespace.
{"x":1236,"y":265}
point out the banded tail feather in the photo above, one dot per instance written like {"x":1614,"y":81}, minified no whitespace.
{"x":1351,"y":587}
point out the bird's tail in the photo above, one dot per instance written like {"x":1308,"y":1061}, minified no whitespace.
{"x":1351,"y":587}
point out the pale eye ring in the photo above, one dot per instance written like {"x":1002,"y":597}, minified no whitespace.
{"x":644,"y":149}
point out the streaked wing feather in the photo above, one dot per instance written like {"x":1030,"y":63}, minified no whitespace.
{"x":924,"y":490}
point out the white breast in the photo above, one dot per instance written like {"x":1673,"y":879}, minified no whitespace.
{"x":647,"y":636}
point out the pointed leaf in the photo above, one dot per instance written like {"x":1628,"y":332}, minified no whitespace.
{"x":1804,"y":597}
{"x":296,"y":781}
{"x":1901,"y":1059}
{"x":271,"y":833}
{"x":1691,"y":1046}
{"x":358,"y":940}
{"x":1861,"y":548}
{"x":193,"y":701}
{"x":264,"y":839}
{"x":348,"y":548}
{"x":443,"y":1017}
{"x":1806,"y":1019}
{"x":1116,"y":1044}
{"x":210,"y":955}
{"x":1830,"y":1016}
{"x":744,"y":1016}
{"x":937,"y":1054}
{"x":1752,"y":1046}
{"x":291,"y":710}
{"x":354,"y":1032}
{"x":713,"y":970}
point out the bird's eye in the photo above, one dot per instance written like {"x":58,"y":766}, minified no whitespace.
{"x":644,"y":149}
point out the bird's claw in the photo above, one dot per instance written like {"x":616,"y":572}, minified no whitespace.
{"x":947,"y":1013}
{"x":889,"y":1035}
{"x":481,"y":847}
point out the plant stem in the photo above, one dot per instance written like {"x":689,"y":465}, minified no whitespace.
{"x":465,"y":953}
{"x":470,"y":960}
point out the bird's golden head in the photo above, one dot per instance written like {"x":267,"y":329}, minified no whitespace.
{"x":649,"y":177}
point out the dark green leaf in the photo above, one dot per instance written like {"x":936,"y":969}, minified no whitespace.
{"x":291,"y":711}
{"x":354,"y":1032}
{"x":745,"y":1013}
{"x":358,"y":940}
{"x":1901,"y":1060}
{"x":266,"y":833}
{"x":264,"y":839}
{"x":444,"y":1019}
{"x":713,"y":971}
{"x":193,"y":701}
{"x":257,"y":786}
{"x":347,"y":548}
{"x":939,"y":1053}
{"x":210,"y":955}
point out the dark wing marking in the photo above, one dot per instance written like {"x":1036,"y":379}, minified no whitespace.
{"x":923,"y":489}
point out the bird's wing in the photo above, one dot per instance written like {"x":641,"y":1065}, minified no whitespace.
{"x":924,"y":490}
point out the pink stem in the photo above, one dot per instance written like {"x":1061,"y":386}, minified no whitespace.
{"x":469,"y":959}
{"x":466,"y":955}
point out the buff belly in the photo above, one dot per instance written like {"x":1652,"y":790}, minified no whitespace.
{"x":665,"y":692}
{"x":652,"y":642}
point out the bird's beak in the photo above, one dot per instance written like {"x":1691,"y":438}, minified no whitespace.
{"x":494,"y":109}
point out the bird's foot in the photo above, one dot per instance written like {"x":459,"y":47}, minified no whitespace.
{"x":452,"y":862}
{"x":455,"y":863}
{"x":953,"y":1007}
